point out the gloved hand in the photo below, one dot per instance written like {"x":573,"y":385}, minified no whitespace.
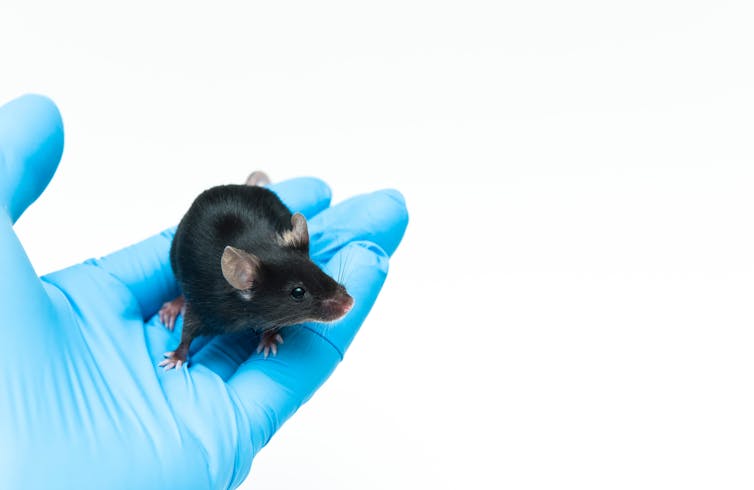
{"x":83,"y":403}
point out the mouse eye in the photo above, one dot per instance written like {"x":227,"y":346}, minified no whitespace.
{"x":298,"y":293}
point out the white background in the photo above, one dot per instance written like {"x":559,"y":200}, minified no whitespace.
{"x":572,"y":303}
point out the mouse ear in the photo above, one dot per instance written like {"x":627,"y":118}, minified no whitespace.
{"x":239,"y":268}
{"x":298,"y":237}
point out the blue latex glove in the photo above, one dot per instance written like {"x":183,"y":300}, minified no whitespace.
{"x":83,"y":402}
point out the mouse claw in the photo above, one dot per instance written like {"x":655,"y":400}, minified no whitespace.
{"x":172,"y":361}
{"x":269,"y":343}
{"x":170,"y":311}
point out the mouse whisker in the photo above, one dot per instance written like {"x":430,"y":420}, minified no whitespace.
{"x":345,"y":268}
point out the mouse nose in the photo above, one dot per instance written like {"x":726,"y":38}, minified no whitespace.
{"x":337,"y":307}
{"x":347,"y":304}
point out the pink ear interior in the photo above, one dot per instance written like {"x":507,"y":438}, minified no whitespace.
{"x":299,"y":235}
{"x":239,"y":267}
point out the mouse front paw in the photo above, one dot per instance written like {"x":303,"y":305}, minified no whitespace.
{"x":170,"y":311}
{"x":269,"y":343}
{"x":174,"y":359}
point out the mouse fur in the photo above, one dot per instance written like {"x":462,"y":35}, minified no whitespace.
{"x":241,"y":259}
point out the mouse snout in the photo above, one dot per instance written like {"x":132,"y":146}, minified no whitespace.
{"x":335,"y":308}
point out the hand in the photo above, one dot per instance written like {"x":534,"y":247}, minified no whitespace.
{"x":83,"y":402}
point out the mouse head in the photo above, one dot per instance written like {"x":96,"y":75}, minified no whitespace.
{"x":279,"y":285}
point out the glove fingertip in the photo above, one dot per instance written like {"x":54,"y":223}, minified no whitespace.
{"x":31,"y":144}
{"x":307,"y":195}
{"x":390,"y":206}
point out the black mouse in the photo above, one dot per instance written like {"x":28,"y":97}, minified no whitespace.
{"x":242,"y":262}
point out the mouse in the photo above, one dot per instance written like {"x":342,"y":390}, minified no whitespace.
{"x":241,"y":260}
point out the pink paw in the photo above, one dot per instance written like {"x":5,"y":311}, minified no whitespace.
{"x":172,"y":360}
{"x":269,"y":343}
{"x":170,"y":311}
